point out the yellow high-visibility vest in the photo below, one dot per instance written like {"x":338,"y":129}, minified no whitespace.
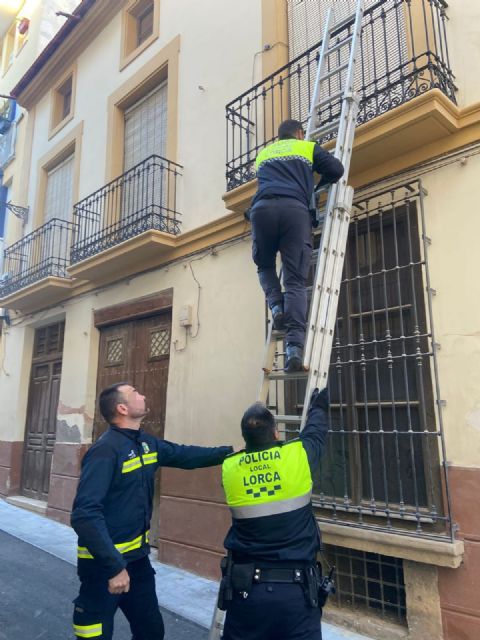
{"x":272,"y":481}
{"x":286,"y":149}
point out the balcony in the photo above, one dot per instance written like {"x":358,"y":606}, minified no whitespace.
{"x":131,"y":221}
{"x":404,"y":59}
{"x":35,"y":268}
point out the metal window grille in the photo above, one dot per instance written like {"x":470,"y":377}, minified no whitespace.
{"x":367,"y":581}
{"x":115,"y":349}
{"x":159,"y":343}
{"x":385,"y":462}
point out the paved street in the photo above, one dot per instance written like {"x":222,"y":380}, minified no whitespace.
{"x":38,"y":583}
{"x":36,"y":593}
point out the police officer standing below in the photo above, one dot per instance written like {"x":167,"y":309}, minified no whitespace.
{"x":281,"y":221}
{"x":111,"y":515}
{"x":271,"y":583}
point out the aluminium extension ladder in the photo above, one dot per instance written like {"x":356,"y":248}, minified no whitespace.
{"x":334,"y":219}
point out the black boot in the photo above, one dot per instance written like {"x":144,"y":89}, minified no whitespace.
{"x":278,"y":317}
{"x":293,"y":358}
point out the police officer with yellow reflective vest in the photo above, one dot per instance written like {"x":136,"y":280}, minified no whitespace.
{"x":111,"y":515}
{"x":281,"y":221}
{"x":272,"y":587}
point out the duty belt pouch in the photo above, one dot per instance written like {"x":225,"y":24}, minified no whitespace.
{"x":242,"y":577}
{"x":311,"y":583}
{"x":225,"y":593}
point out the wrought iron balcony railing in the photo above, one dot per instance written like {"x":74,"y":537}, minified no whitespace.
{"x":141,"y":199}
{"x":40,"y":254}
{"x":404,"y":53}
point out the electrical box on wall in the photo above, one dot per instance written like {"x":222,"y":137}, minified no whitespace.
{"x":186,"y":313}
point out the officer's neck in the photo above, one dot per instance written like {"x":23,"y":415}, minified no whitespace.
{"x":123,"y":422}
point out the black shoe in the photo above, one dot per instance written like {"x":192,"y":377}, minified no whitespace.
{"x":293,"y":358}
{"x":278,"y":317}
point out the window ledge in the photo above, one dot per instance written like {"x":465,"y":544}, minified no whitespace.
{"x":408,"y":547}
{"x":53,"y":132}
{"x":129,"y":57}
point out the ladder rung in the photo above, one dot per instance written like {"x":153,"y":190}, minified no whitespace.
{"x":281,"y":375}
{"x":339,"y":45}
{"x":327,"y":128}
{"x":331,"y":73}
{"x":341,"y":23}
{"x":288,"y":419}
{"x":330,"y":100}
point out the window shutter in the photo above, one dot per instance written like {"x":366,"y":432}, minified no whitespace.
{"x":146,"y":127}
{"x":59,"y":192}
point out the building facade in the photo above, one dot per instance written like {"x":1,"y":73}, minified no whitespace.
{"x":134,"y":264}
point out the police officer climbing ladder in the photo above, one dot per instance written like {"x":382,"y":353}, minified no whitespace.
{"x":334,"y":232}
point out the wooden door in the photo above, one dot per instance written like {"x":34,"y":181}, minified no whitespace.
{"x":40,"y":429}
{"x":137,"y":352}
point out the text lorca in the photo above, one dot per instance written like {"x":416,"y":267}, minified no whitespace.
{"x":261,"y":478}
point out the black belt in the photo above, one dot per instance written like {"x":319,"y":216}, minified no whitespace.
{"x":279,"y":575}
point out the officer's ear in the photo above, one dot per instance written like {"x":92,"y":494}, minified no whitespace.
{"x":276,"y":434}
{"x":122,"y":409}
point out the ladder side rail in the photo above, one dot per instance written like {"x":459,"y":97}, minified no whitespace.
{"x":320,"y":67}
{"x":343,"y":149}
{"x":318,"y":281}
{"x":218,"y":620}
{"x":322,"y":346}
{"x":356,"y":38}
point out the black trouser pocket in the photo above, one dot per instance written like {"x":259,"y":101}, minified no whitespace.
{"x":305,"y":260}
{"x":93,"y":611}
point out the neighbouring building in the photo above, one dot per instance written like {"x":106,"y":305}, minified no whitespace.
{"x":134,"y":264}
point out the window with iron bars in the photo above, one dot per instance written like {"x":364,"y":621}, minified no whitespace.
{"x":367,"y":581}
{"x":384,"y":463}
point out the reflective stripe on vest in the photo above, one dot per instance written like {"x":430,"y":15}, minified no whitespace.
{"x":88,"y":631}
{"x":286,"y":150}
{"x":263,"y":483}
{"x":136,"y":463}
{"x":122,"y":547}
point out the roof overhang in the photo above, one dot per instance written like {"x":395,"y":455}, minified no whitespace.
{"x":75,"y":35}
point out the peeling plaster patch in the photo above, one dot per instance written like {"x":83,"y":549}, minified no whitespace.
{"x":473,"y":419}
{"x":67,"y":433}
{"x":65,"y":410}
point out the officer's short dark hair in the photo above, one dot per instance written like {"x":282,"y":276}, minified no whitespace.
{"x":288,"y":129}
{"x":258,"y":425}
{"x":108,"y":400}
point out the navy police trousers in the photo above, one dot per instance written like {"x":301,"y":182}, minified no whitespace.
{"x":95,"y":607}
{"x":283,"y":225}
{"x":272,"y":611}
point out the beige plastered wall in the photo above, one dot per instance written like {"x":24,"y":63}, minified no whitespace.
{"x":217,"y":41}
{"x":44,"y":23}
{"x":212,"y":377}
{"x":453,"y":225}
{"x":464,"y":52}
